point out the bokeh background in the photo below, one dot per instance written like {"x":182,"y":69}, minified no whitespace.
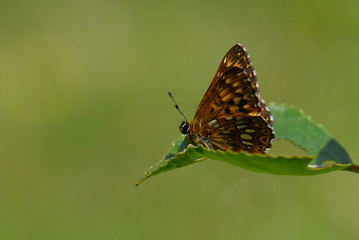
{"x":84,"y":111}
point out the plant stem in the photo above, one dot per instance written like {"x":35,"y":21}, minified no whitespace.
{"x":353,"y":168}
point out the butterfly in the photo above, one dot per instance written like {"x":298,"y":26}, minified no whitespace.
{"x":231,"y":115}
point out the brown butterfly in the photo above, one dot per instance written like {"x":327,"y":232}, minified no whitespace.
{"x":231,"y":115}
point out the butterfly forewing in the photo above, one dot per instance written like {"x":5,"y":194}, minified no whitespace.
{"x":233,"y":95}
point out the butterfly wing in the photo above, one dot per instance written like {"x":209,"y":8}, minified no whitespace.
{"x":233,"y":91}
{"x":238,"y":132}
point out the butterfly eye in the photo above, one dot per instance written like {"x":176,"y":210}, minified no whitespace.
{"x":184,"y":127}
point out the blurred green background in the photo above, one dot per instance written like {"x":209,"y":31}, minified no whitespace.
{"x":84,"y":111}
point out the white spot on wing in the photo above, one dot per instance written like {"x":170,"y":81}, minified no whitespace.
{"x":249,"y":130}
{"x":211,"y":123}
{"x":247,"y":143}
{"x":246,"y":136}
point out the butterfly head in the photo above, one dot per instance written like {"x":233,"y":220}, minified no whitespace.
{"x":184,"y":127}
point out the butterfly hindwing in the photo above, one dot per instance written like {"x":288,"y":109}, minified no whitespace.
{"x":238,"y":132}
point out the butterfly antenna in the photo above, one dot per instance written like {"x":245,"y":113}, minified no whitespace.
{"x":176,"y":105}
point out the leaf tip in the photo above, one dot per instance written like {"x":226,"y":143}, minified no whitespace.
{"x":138,"y":183}
{"x":141,"y":180}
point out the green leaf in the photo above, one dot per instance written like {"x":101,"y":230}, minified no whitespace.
{"x":178,"y":156}
{"x":294,"y":126}
{"x":290,"y":124}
